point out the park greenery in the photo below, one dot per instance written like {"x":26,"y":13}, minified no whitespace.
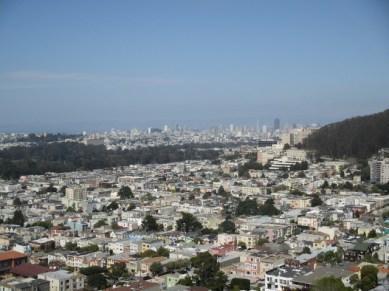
{"x":71,"y":156}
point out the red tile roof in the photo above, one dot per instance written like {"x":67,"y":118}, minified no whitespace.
{"x":29,"y":270}
{"x":11,"y":255}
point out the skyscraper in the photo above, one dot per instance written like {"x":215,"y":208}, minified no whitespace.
{"x":277,"y":124}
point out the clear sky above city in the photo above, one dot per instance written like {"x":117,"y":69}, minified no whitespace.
{"x":94,"y":65}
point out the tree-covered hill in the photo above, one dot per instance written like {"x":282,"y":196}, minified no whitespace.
{"x":358,"y":137}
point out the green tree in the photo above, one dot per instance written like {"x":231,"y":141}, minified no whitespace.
{"x":297,"y":192}
{"x":17,"y":202}
{"x":100,"y":223}
{"x":149,"y":254}
{"x":325,"y":185}
{"x":62,"y":190}
{"x":70,"y":209}
{"x":369,"y":278}
{"x":179,"y":265}
{"x":372,"y":234}
{"x":227,"y":226}
{"x":187,"y":281}
{"x":97,"y":280}
{"x":331,"y":257}
{"x":306,"y":250}
{"x":51,"y":189}
{"x":222,"y":192}
{"x":330,"y":284}
{"x":92,"y":270}
{"x":268,"y":208}
{"x":163,"y":252}
{"x":316,"y":201}
{"x":243,"y":170}
{"x":242,"y":245}
{"x":118,"y":271}
{"x":156,"y":269}
{"x":89,"y":249}
{"x":113,"y":206}
{"x":188,"y":223}
{"x":45,"y":224}
{"x":18,"y":218}
{"x":218,"y":282}
{"x":207,"y":272}
{"x":240,"y":284}
{"x":125,"y":192}
{"x":130,"y":207}
{"x":148,"y":197}
{"x":247,"y":207}
{"x":348,"y":186}
{"x":149,"y":223}
{"x":71,"y":246}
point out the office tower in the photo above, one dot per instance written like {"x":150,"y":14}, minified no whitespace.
{"x":277,"y":124}
{"x":264,"y":129}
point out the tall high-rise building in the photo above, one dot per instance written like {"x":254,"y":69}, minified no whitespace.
{"x":277,"y":124}
{"x":264,"y":129}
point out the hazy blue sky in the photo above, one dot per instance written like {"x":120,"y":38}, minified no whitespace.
{"x":74,"y":65}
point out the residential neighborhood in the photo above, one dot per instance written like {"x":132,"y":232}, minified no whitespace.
{"x":287,"y":224}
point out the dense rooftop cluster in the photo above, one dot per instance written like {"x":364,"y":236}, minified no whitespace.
{"x":266,"y":218}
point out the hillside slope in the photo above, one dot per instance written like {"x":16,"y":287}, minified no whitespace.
{"x":358,"y":137}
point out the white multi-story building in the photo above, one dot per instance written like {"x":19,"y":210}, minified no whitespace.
{"x":63,"y":280}
{"x":379,"y":167}
{"x":281,"y":278}
{"x":296,"y":154}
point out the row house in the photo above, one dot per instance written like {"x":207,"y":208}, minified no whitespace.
{"x":249,"y":239}
{"x":310,"y":221}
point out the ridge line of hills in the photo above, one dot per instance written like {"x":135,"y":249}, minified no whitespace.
{"x":357,"y":137}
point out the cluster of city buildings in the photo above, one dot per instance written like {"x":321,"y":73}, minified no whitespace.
{"x":177,"y":135}
{"x":77,"y":220}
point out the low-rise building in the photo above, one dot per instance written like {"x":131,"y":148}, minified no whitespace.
{"x":63,"y":280}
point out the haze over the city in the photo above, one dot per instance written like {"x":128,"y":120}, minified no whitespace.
{"x":94,"y":65}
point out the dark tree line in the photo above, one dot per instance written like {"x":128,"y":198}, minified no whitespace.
{"x":358,"y":137}
{"x":250,"y":207}
{"x":50,"y":137}
{"x":71,"y":156}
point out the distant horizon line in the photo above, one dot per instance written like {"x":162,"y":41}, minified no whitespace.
{"x":79,"y":127}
